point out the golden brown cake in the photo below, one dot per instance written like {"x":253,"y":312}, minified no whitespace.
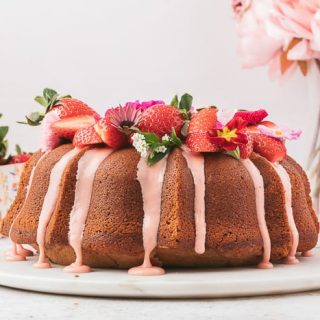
{"x":89,"y":205}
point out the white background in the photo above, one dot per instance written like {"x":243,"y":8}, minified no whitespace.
{"x":108,"y":52}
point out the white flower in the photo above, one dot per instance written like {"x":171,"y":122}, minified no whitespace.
{"x":140,"y":144}
{"x":166,"y":138}
{"x":161,"y":149}
{"x":224,"y":116}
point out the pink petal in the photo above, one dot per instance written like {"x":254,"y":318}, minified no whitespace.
{"x":315,"y":27}
{"x":300,"y":51}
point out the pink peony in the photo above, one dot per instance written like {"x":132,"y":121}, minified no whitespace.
{"x":282,"y":33}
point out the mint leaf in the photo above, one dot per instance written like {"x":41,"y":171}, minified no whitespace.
{"x":3,"y":132}
{"x":175,"y":101}
{"x":186,"y":102}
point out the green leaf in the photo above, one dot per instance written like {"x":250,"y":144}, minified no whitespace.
{"x":66,"y":96}
{"x":155,"y":157}
{"x":175,"y":101}
{"x":234,"y":153}
{"x":49,"y":93}
{"x":175,"y":139}
{"x":18,"y":149}
{"x":186,"y":102}
{"x":41,"y":100}
{"x":3,"y":132}
{"x":151,"y":138}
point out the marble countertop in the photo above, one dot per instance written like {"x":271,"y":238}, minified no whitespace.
{"x":16,"y":305}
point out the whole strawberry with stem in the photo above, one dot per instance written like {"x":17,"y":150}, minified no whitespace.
{"x":161,"y":119}
{"x":20,"y":156}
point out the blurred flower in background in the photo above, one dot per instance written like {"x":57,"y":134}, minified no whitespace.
{"x":285,"y":35}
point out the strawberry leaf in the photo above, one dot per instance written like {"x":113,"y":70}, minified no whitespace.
{"x":41,"y":100}
{"x":48,"y":94}
{"x":175,"y":101}
{"x":3,"y":132}
{"x":175,"y":139}
{"x":234,"y":153}
{"x":154,"y":157}
{"x":186,"y":102}
{"x":18,"y":149}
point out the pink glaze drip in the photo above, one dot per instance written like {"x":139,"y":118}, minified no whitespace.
{"x":259,"y":193}
{"x":87,"y":167}
{"x":285,"y":179}
{"x":13,"y":255}
{"x":49,"y":204}
{"x":17,"y":252}
{"x":151,"y":181}
{"x":307,"y":254}
{"x":195,"y":163}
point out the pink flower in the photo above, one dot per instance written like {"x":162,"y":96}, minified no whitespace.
{"x":144,"y":105}
{"x":281,"y":132}
{"x":224,"y":116}
{"x":255,"y":46}
{"x":282,"y":33}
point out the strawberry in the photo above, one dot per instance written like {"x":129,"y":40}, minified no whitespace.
{"x":268,"y":124}
{"x":246,"y":149}
{"x":68,"y":126}
{"x":110,"y":135}
{"x":160,"y":119}
{"x":199,"y":142}
{"x":20,"y":158}
{"x":203,"y":121}
{"x":70,"y":107}
{"x":86,"y":136}
{"x":271,"y":148}
{"x":252,"y":117}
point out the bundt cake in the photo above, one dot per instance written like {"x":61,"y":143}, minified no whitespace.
{"x":153,"y":185}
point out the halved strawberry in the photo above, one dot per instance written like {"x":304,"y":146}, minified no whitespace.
{"x":252,"y":117}
{"x":160,"y":119}
{"x":86,"y":136}
{"x":246,"y":149}
{"x":199,"y":142}
{"x":271,"y":148}
{"x":70,"y":107}
{"x":110,"y":135}
{"x":203,"y":121}
{"x":67,"y":127}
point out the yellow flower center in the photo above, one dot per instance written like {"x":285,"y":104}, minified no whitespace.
{"x":227,"y":134}
{"x":278,"y":132}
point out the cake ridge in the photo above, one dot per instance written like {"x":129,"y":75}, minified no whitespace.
{"x":87,"y":166}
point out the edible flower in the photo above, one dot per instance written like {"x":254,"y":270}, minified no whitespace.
{"x":281,"y":132}
{"x":144,"y":105}
{"x":230,"y":136}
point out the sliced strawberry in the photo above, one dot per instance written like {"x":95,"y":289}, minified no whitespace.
{"x":268,"y":124}
{"x":160,"y":119}
{"x":86,"y":136}
{"x":271,"y":148}
{"x":247,"y":149}
{"x":203,"y":121}
{"x":67,"y":127}
{"x":20,"y":158}
{"x":199,"y":142}
{"x":110,"y":135}
{"x":252,"y":117}
{"x":69,"y":107}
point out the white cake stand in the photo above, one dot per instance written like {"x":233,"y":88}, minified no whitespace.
{"x":192,"y":283}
